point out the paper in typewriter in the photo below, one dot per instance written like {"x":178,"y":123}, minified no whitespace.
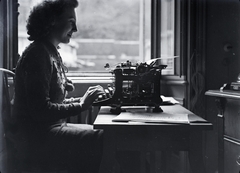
{"x":147,"y":117}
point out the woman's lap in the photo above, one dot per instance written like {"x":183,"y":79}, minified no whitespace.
{"x":77,"y":145}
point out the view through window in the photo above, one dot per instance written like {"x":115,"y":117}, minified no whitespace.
{"x":110,"y":31}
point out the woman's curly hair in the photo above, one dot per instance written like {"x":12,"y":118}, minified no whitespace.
{"x":43,"y":16}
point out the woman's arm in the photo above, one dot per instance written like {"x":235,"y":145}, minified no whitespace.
{"x":37,"y":79}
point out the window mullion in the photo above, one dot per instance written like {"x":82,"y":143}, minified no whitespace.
{"x":156,"y":29}
{"x":142,"y":30}
{"x":11,"y":29}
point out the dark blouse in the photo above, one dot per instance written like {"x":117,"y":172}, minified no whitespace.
{"x":40,"y":87}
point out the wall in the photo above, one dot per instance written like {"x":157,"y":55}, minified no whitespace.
{"x":222,"y":65}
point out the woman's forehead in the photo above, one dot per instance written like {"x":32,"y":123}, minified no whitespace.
{"x":69,"y":13}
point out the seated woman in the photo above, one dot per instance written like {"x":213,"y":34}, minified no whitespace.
{"x":40,"y":90}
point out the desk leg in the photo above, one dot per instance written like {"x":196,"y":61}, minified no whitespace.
{"x":108,"y":158}
{"x":196,"y":153}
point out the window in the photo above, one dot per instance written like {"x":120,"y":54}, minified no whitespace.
{"x":112,"y":32}
{"x":9,"y":32}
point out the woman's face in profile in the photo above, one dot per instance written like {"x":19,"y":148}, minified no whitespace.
{"x":65,"y":26}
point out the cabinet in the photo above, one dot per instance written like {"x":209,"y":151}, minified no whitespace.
{"x":228,"y":105}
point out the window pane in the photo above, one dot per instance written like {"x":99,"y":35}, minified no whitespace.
{"x":24,"y":9}
{"x":109,"y":31}
{"x":167,"y":35}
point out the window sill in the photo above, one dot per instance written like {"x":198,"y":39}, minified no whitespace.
{"x":173,"y":80}
{"x":106,"y":77}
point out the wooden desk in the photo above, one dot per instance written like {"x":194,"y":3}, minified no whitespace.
{"x":150,"y":137}
{"x":228,"y":119}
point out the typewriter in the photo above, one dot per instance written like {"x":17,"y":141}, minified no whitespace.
{"x":134,"y":84}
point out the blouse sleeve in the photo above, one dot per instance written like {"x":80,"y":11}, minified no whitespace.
{"x":37,"y":78}
{"x":72,"y":100}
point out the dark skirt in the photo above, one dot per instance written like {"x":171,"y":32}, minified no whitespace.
{"x":78,"y":147}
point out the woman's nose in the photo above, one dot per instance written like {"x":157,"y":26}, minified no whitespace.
{"x":74,"y":29}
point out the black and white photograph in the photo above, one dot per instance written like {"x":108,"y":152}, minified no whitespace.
{"x":119,"y":86}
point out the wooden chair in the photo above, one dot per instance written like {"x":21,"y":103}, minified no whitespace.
{"x":5,"y":107}
{"x":14,"y":163}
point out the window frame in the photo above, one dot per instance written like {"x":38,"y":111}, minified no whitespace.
{"x":179,"y":76}
{"x":190,"y":36}
{"x":155,"y":35}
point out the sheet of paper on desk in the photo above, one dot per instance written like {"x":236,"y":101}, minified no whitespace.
{"x":151,"y":117}
{"x":169,"y":100}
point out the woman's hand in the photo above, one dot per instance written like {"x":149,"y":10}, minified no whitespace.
{"x":90,"y":96}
